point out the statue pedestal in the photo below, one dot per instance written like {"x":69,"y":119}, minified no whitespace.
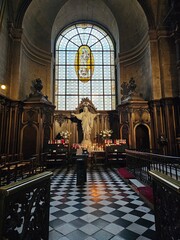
{"x":86,"y":143}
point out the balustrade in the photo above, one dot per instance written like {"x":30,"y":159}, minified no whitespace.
{"x":140,"y":163}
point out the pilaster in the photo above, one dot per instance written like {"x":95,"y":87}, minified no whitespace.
{"x":15,"y":36}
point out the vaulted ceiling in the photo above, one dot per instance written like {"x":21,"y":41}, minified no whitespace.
{"x":127,"y":20}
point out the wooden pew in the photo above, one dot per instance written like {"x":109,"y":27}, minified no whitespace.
{"x":13,"y":168}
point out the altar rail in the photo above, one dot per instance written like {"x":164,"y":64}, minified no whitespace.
{"x":140,"y":163}
{"x":166,"y":206}
{"x":24,"y":208}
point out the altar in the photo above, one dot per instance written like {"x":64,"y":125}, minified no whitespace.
{"x":98,"y":157}
{"x":72,"y":121}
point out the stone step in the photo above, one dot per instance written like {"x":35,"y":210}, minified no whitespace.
{"x":136,"y":183}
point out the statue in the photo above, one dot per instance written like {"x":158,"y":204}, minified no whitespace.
{"x":129,"y":91}
{"x":132,"y":86}
{"x":87,"y":119}
{"x":125,"y":90}
{"x":37,"y":86}
{"x":36,"y":95}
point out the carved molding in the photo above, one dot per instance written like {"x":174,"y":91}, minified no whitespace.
{"x":60,"y":118}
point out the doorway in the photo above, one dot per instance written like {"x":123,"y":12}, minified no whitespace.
{"x":142,"y":138}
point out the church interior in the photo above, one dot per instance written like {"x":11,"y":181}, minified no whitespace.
{"x":89,"y":119}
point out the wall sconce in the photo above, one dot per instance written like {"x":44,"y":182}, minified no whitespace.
{"x":3,"y":87}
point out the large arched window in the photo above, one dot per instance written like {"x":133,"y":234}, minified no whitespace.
{"x":84,"y":67}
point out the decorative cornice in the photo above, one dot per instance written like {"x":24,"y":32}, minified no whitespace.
{"x":163,"y":33}
{"x":156,"y":34}
{"x":34,"y":53}
{"x":136,"y":52}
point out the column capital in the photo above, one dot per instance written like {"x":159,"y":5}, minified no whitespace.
{"x":14,"y":33}
{"x":153,"y":34}
{"x":156,"y":34}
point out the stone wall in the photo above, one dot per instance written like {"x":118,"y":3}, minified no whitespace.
{"x":35,"y":63}
{"x":4,"y":51}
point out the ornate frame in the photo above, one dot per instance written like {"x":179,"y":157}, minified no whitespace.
{"x":86,"y":102}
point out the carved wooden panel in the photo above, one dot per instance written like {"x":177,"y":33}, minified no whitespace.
{"x":167,"y":212}
{"x":26,"y":215}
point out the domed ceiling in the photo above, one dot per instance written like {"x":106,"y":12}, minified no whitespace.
{"x":124,"y":19}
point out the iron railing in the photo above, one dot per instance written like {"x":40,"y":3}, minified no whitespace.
{"x":140,"y":163}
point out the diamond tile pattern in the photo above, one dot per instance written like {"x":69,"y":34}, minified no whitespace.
{"x":105,"y":207}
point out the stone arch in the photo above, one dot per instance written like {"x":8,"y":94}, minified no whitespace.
{"x":148,"y":12}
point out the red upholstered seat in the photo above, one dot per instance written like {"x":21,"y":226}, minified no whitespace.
{"x":146,"y":192}
{"x":124,"y":173}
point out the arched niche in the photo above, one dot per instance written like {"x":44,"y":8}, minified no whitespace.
{"x":29,"y":140}
{"x":142,"y":137}
{"x":124,"y":133}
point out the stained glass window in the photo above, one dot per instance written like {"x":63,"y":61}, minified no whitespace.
{"x":84,"y":67}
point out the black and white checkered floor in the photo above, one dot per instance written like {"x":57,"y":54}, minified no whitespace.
{"x":105,"y":207}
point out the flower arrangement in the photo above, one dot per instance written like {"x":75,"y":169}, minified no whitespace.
{"x":65,"y":134}
{"x":106,"y":134}
{"x":76,"y":146}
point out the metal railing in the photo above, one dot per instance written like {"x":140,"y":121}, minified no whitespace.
{"x":24,"y":208}
{"x":140,"y":163}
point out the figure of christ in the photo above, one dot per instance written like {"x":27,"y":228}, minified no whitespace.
{"x":87,"y":119}
{"x":84,"y":69}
